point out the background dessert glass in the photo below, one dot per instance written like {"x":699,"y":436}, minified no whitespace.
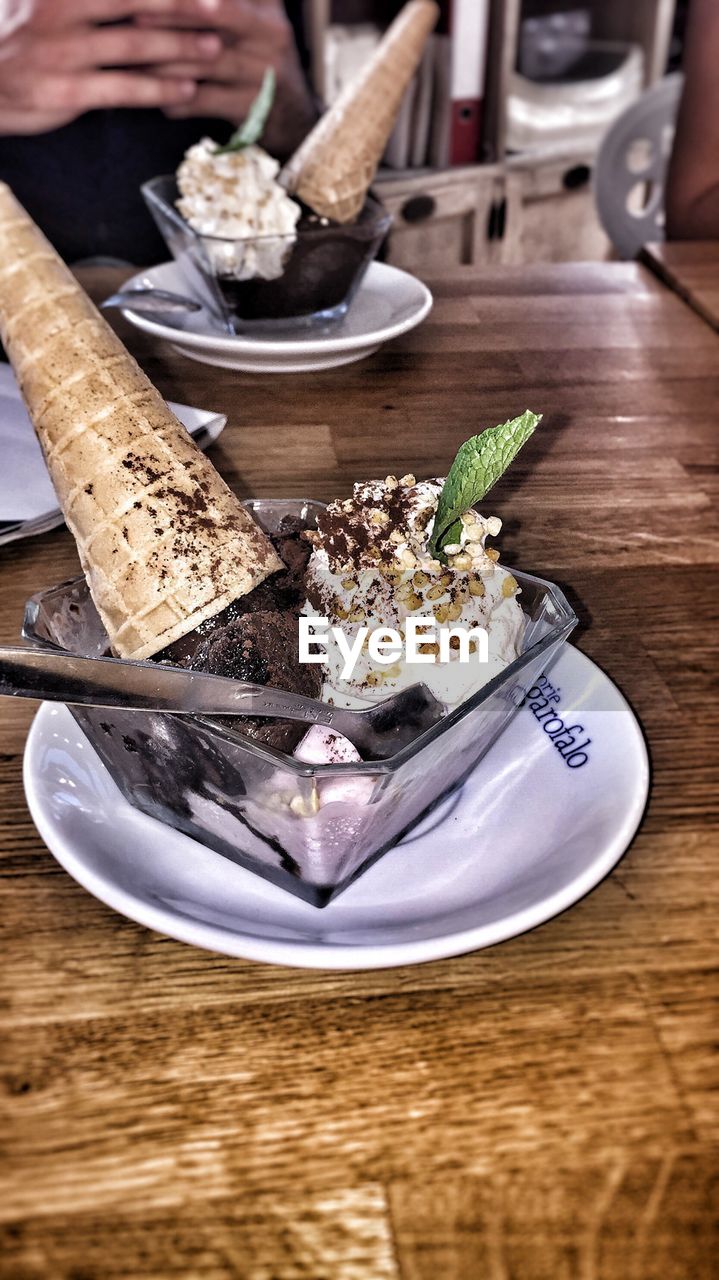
{"x":319,"y":267}
{"x":310,"y":829}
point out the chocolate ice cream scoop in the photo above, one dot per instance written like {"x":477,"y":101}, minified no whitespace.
{"x":261,"y":648}
{"x":255,"y":640}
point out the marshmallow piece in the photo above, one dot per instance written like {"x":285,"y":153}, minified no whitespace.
{"x":323,"y":746}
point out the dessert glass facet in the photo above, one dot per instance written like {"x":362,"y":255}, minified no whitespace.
{"x":309,"y":828}
{"x":304,"y":278}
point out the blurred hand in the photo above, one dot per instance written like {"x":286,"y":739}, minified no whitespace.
{"x":60,"y":62}
{"x":255,"y":34}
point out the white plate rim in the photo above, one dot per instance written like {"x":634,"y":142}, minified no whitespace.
{"x":334,"y":956}
{"x":55,"y":518}
{"x":315,"y":344}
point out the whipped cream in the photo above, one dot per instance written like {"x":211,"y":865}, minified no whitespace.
{"x":370,"y":566}
{"x":235,"y":197}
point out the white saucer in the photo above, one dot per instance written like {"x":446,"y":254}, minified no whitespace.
{"x":387,"y":303}
{"x":527,"y":836}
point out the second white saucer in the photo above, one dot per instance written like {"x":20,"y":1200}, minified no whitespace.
{"x":388,"y":302}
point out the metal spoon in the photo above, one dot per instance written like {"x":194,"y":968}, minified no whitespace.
{"x":378,"y":732}
{"x":151,"y":301}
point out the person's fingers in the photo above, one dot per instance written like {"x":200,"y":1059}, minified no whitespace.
{"x":197,"y":11}
{"x":239,"y":17}
{"x":181,"y":70}
{"x":93,"y":47}
{"x":33,"y":104}
{"x":215,"y":100}
{"x":77,"y":93}
{"x":241,"y":69}
{"x":52,"y":15}
{"x":19,"y":123}
{"x":125,"y":46}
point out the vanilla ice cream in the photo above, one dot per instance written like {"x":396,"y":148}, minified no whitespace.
{"x":370,"y":567}
{"x":233,"y":197}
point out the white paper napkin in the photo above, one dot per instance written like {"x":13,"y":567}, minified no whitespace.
{"x":26,"y":491}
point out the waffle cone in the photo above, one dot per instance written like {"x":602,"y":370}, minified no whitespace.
{"x":163,"y":542}
{"x":336,"y":164}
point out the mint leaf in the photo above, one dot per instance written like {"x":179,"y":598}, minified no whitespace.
{"x":251,"y":129}
{"x":479,"y":463}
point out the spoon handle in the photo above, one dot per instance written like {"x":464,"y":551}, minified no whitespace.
{"x":145,"y":686}
{"x":150,"y":301}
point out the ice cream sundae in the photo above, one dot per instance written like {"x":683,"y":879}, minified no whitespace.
{"x":276,"y":246}
{"x":180,"y":570}
{"x":395,"y":553}
{"x":371,"y":563}
{"x":232,"y":198}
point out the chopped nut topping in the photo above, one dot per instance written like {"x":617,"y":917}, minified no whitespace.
{"x":429,"y":646}
{"x":436,"y":591}
{"x":476,"y":586}
{"x":492,"y":553}
{"x":414,"y":602}
{"x":420,"y":578}
{"x":349,"y":584}
{"x":408,"y":481}
{"x":305,"y":807}
{"x":462,"y":561}
{"x":510,"y":586}
{"x":454,"y":611}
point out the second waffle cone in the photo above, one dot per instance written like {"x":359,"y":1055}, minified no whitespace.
{"x":335,"y":165}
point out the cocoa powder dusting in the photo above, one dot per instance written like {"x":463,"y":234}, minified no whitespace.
{"x":348,"y":534}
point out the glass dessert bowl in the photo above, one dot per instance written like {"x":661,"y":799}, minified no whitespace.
{"x":307,"y":277}
{"x":311,"y":829}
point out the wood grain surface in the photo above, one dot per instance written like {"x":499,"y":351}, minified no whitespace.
{"x":691,"y":268}
{"x":543,"y":1110}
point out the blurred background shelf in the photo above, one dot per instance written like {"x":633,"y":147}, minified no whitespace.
{"x":556,"y":73}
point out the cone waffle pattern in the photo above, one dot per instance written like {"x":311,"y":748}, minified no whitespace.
{"x":163,"y":542}
{"x":336,"y":164}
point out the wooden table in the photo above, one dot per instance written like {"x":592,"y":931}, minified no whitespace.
{"x":541,"y":1110}
{"x":691,"y":269}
